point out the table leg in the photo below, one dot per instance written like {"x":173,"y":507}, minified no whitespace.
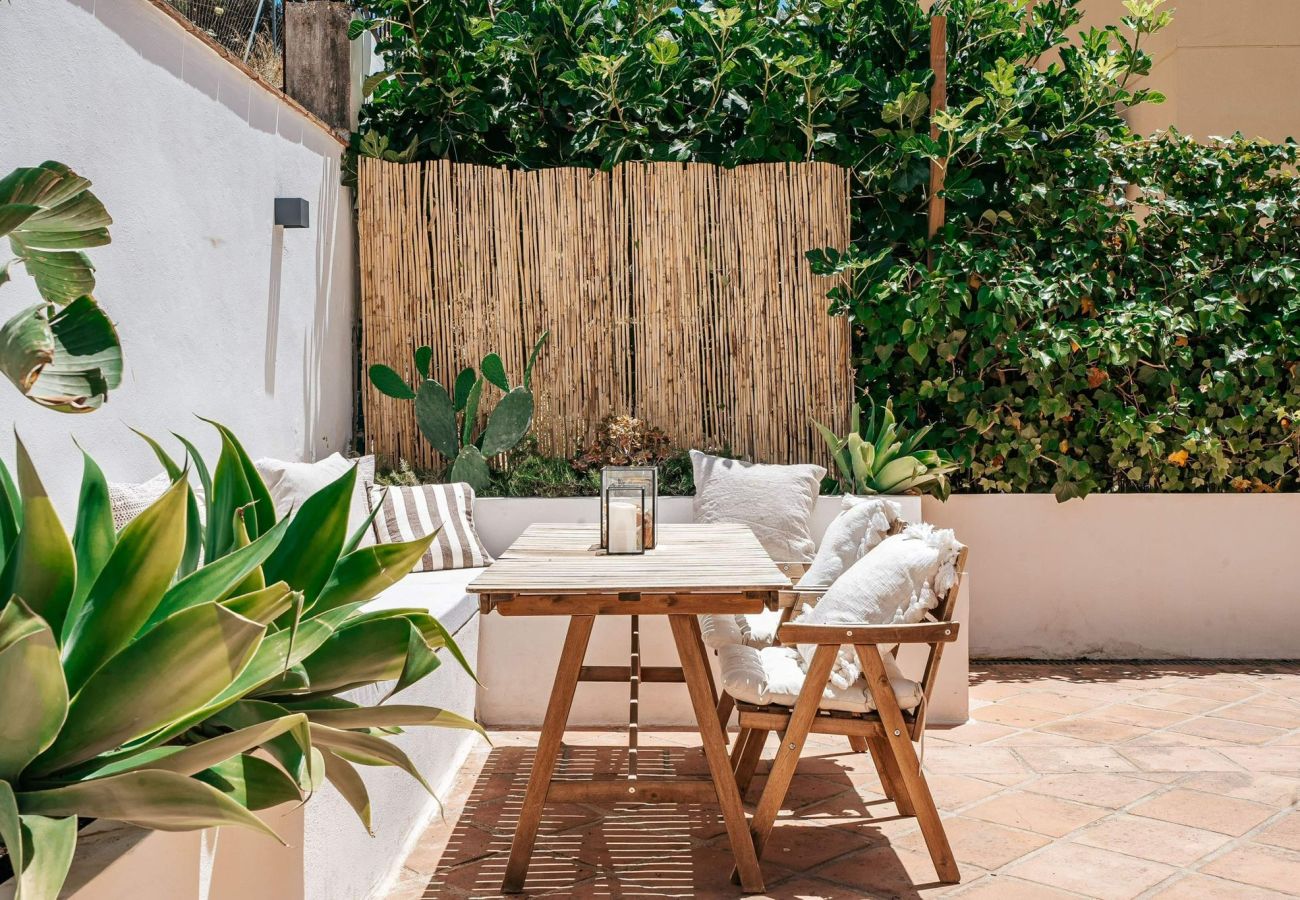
{"x":686,"y":634}
{"x":548,"y":748}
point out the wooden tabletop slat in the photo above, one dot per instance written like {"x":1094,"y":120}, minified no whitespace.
{"x":557,"y":559}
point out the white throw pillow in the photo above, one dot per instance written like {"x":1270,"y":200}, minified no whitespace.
{"x":127,"y":500}
{"x":776,"y":502}
{"x":407,"y":513}
{"x":896,"y":583}
{"x":291,"y":483}
{"x":862,"y":524}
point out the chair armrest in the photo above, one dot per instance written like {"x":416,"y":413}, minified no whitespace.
{"x":794,"y":598}
{"x":920,"y":633}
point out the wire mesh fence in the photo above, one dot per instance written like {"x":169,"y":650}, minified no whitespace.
{"x":250,"y":29}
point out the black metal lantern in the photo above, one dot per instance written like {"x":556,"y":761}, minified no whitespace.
{"x":629,"y":501}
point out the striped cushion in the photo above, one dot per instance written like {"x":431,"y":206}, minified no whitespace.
{"x":408,"y":513}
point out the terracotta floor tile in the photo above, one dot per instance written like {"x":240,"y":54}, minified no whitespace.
{"x":1060,"y":703}
{"x":802,"y":888}
{"x":1103,"y":789}
{"x":1274,"y":711}
{"x":1049,"y":760}
{"x":892,"y":871}
{"x":1266,"y":867}
{"x":482,"y":878}
{"x":1226,"y":815}
{"x":1178,"y":759}
{"x":994,"y":690}
{"x":1176,"y":702}
{"x":1038,"y":738}
{"x":1038,"y":813}
{"x":954,"y":791}
{"x":1207,"y":887}
{"x":981,"y":844}
{"x":971,"y":733}
{"x":972,"y":760}
{"x":1100,"y":731}
{"x":801,"y":847}
{"x":1282,"y":759}
{"x":1285,"y":833}
{"x":1165,"y":842}
{"x":1090,"y":871}
{"x":804,"y":790}
{"x":1278,"y":791}
{"x":1141,"y":716}
{"x":1003,"y":887}
{"x":1228,"y":730}
{"x":1014,"y":714}
{"x":1224,"y":692}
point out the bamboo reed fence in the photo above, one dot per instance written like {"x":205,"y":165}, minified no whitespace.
{"x":678,"y":293}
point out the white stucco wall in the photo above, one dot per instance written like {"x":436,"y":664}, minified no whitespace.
{"x":220,"y":313}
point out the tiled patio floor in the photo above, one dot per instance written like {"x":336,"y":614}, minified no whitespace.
{"x":1108,"y":781}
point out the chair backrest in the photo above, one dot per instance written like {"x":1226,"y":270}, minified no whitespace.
{"x":943,"y":612}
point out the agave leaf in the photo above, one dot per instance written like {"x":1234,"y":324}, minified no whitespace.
{"x":217,"y":579}
{"x":173,"y":669}
{"x":362,"y":654}
{"x":464,"y":384}
{"x":348,"y":783}
{"x":291,"y":749}
{"x":263,"y":518}
{"x":508,"y":422}
{"x":437,"y":636}
{"x":423,"y":360}
{"x":192,"y":759}
{"x":35,"y":702}
{"x":193,"y":522}
{"x":93,"y":536}
{"x":42,"y":567}
{"x":390,"y":716}
{"x":896,"y":473}
{"x":389,"y":383}
{"x":435,"y":416}
{"x":860,"y":459}
{"x":495,"y":371}
{"x":132,"y":582}
{"x":362,"y":574}
{"x":163,"y":801}
{"x":201,"y":468}
{"x":355,"y":540}
{"x":532,"y":359}
{"x":264,"y":605}
{"x":855,"y":419}
{"x":40,"y":848}
{"x":311,"y":546}
{"x":366,"y":750}
{"x":256,"y":579}
{"x":11,"y":513}
{"x":284,"y":650}
{"x":251,"y":782}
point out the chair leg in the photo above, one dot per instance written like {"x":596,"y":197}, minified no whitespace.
{"x":792,"y":741}
{"x":726,"y":703}
{"x":858,"y":744}
{"x":890,"y":777}
{"x":898,"y":741}
{"x":739,"y":748}
{"x":748,"y":762}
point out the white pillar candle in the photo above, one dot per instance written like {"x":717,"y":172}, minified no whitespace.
{"x":624,"y":523}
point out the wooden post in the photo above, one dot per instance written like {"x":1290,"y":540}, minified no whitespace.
{"x":317,"y":58}
{"x":938,"y":100}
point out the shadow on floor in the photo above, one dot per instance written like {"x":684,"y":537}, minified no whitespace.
{"x":644,"y":850}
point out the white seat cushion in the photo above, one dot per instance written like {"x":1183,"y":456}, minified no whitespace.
{"x":442,"y":593}
{"x":752,"y":629}
{"x":775,"y":675}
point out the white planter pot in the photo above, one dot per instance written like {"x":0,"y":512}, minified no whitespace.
{"x":1142,"y":576}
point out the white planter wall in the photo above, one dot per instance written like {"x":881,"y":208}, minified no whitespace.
{"x":519,"y":654}
{"x":1141,"y":576}
{"x":220,"y":313}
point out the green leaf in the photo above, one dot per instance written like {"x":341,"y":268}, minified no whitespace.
{"x":364,"y":573}
{"x":392,"y":716}
{"x":470,"y":415}
{"x":193,"y":521}
{"x":252,"y":783}
{"x":311,"y":546}
{"x":494,"y":371}
{"x":423,"y":360}
{"x":194,"y":758}
{"x":42,"y":567}
{"x":464,"y":384}
{"x":532,"y":359}
{"x":348,"y":783}
{"x":11,"y":513}
{"x":40,"y":848}
{"x":93,"y":536}
{"x":163,"y":801}
{"x":34,"y":702}
{"x":471,"y":468}
{"x":173,"y":669}
{"x":130,"y":586}
{"x":388,"y":382}
{"x":264,"y":605}
{"x":370,"y":652}
{"x":365,"y":750}
{"x":436,"y":418}
{"x":508,"y":422}
{"x":264,"y":517}
{"x":65,"y":359}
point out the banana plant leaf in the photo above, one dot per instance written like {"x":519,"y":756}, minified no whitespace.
{"x":40,"y":848}
{"x":163,"y":801}
{"x":141,"y":689}
{"x":42,"y":565}
{"x":30,"y":718}
{"x":67,"y":359}
{"x":133,"y":581}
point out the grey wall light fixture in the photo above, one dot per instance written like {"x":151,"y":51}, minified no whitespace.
{"x":292,"y":212}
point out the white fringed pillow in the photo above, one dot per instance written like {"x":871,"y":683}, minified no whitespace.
{"x":862,"y":524}
{"x":776,"y":502}
{"x":896,"y":583}
{"x":127,"y":500}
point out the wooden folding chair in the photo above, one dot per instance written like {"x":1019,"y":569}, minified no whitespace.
{"x":888,"y":732}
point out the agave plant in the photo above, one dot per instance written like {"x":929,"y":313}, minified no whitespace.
{"x":140,"y":687}
{"x":449,"y":420}
{"x":883,"y":458}
{"x":63,"y":352}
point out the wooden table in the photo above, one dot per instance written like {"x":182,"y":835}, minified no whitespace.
{"x":560,"y":570}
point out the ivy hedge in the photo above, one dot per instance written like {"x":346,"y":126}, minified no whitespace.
{"x":1103,"y":311}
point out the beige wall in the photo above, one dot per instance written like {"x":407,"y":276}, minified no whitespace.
{"x":1225,"y":66}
